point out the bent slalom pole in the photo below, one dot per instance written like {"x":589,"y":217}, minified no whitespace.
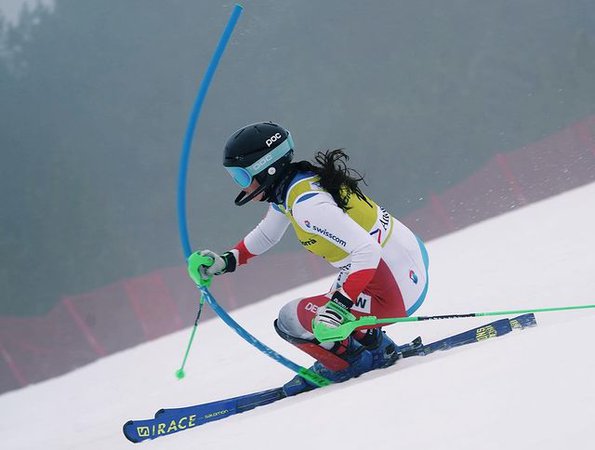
{"x":183,"y":170}
{"x":183,"y":228}
{"x":326,"y":334}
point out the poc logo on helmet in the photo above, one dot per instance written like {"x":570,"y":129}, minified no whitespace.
{"x":258,"y":165}
{"x":274,"y":138}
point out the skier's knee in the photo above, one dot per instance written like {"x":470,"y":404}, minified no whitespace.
{"x":288,"y":325}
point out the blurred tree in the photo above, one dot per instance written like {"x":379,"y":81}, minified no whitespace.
{"x":96,"y":96}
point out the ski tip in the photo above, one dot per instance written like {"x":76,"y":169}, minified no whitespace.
{"x":124,"y":430}
{"x":523,"y":321}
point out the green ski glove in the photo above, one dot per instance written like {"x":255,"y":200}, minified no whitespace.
{"x":204,"y":264}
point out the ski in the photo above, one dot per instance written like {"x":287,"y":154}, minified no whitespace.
{"x":171,"y":420}
{"x":493,"y":329}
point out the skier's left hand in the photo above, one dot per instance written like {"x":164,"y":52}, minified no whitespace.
{"x":336,"y":312}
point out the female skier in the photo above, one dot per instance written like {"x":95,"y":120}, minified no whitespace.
{"x":383,"y":266}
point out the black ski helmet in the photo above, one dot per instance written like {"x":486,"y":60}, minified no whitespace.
{"x":259,"y":151}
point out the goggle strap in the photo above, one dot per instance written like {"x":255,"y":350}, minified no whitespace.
{"x":271,"y":157}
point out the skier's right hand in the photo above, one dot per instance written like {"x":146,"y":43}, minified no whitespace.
{"x":221,"y":263}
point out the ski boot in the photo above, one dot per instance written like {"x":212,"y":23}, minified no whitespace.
{"x":382,"y":348}
{"x":359,"y":359}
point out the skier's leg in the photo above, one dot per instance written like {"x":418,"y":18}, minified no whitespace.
{"x":406,"y":280}
{"x":295,"y":326}
{"x":398,"y":289}
{"x":337,"y":361}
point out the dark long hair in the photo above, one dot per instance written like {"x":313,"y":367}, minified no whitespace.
{"x":335,"y":177}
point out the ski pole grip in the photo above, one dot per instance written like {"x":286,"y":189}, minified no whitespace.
{"x":326,"y":334}
{"x":195,"y":261}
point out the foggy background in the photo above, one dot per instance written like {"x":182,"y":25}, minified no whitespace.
{"x":95,"y":97}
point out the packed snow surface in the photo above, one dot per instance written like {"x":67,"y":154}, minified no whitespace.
{"x":531,"y":389}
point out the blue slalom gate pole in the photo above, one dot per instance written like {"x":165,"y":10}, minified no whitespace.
{"x":192,"y":121}
{"x":183,"y":221}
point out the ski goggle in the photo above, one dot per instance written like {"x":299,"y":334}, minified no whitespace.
{"x":244,"y":175}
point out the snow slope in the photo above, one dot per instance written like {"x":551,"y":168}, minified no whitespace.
{"x":531,"y":389}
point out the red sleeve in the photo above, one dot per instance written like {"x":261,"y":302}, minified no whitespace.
{"x":243,"y":254}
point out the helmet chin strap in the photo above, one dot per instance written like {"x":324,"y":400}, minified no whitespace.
{"x":244,"y":198}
